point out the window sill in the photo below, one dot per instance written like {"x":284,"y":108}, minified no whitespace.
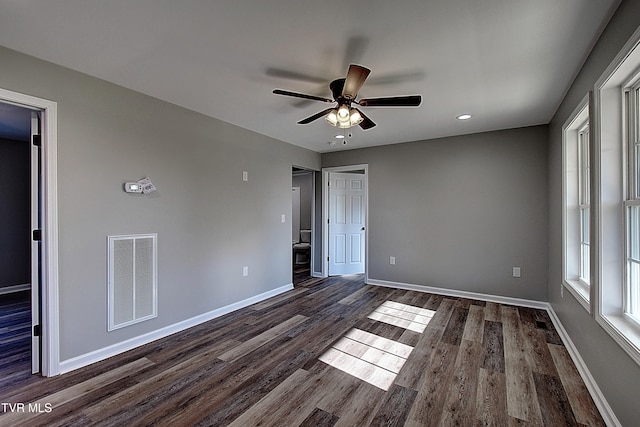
{"x":624,"y":331}
{"x":580,"y":291}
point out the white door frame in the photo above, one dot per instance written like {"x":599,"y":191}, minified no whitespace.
{"x":36,"y":204}
{"x":325,"y":215}
{"x":313,"y":222}
{"x":295,"y":215}
{"x":49,"y":321}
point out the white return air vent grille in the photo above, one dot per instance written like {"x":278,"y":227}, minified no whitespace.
{"x":132,"y":276}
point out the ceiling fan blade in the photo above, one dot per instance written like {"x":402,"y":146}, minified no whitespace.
{"x":301,"y":95}
{"x":315,"y":116}
{"x":293,"y":75}
{"x":367,"y":123}
{"x":356,"y":76}
{"x":392,"y":101}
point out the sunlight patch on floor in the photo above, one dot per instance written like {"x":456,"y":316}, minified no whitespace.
{"x":405,"y":316}
{"x":369,"y":357}
{"x":372,"y":358}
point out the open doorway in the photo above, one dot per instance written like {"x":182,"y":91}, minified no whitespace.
{"x":42,"y":231}
{"x":18,"y":208}
{"x":302,"y":219}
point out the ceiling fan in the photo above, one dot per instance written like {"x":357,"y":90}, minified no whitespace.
{"x":345,"y":91}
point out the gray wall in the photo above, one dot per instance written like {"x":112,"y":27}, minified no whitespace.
{"x":305,"y":182}
{"x":209,"y":222}
{"x":15,"y":212}
{"x":459,"y":212}
{"x":616,"y":374}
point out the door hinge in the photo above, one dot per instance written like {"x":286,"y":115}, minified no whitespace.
{"x":37,"y":235}
{"x":327,"y":259}
{"x":36,"y":330}
{"x":36,"y":140}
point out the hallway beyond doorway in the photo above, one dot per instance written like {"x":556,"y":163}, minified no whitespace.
{"x":15,"y":338}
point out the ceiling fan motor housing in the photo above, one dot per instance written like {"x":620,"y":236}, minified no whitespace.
{"x":336,"y":87}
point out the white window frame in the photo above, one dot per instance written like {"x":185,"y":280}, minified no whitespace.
{"x":632,"y":202}
{"x":610,"y":193}
{"x":584,"y":202}
{"x":576,"y":197}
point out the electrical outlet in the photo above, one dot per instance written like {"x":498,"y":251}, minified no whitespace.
{"x":561,"y":291}
{"x":392,"y":260}
{"x":245,"y":271}
{"x":516,"y":271}
{"x":283,"y":218}
{"x":245,"y":176}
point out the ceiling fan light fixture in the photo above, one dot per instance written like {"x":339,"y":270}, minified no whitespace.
{"x":332,"y":117}
{"x":344,"y":117}
{"x":355,"y":118}
{"x":343,"y":113}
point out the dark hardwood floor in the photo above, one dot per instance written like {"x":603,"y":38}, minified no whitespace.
{"x":416,"y":359}
{"x":301,"y":273}
{"x":15,"y":338}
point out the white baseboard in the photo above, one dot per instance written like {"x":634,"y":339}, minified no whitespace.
{"x":112,"y":350}
{"x":596,"y":394}
{"x":460,"y":294}
{"x":603,"y":406}
{"x":15,"y":288}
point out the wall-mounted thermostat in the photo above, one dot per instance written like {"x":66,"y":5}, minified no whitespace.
{"x":132,"y":187}
{"x":143,"y":186}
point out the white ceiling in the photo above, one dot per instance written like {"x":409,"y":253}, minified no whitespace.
{"x":507,"y":62}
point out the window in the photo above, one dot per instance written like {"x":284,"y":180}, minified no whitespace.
{"x":615,"y":238}
{"x":577,"y":204}
{"x":584,"y":199}
{"x":632,"y":203}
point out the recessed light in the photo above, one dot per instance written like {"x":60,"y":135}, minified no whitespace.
{"x":464,"y":117}
{"x":339,"y":136}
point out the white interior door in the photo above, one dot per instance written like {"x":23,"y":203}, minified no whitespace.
{"x":346,"y":223}
{"x":35,"y":246}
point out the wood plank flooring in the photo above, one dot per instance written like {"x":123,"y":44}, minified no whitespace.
{"x":15,"y":338}
{"x":301,"y":273}
{"x":475,"y":363}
